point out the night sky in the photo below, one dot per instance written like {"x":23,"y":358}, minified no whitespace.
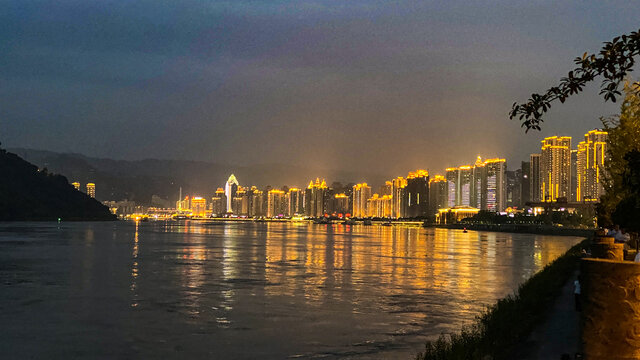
{"x":381,"y":87}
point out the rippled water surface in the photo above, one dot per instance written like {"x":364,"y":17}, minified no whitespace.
{"x":249,"y":290}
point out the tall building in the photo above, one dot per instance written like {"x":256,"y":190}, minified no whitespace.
{"x":240,"y":204}
{"x":452,"y":186}
{"x":513,"y":187}
{"x":314,"y":198}
{"x":91,"y":190}
{"x":76,"y":185}
{"x":478,"y":184}
{"x":198,"y":206}
{"x":495,"y":191}
{"x":230,"y":189}
{"x":481,"y":186}
{"x":573,"y":194}
{"x":361,"y":193}
{"x":525,"y":185}
{"x":555,"y":168}
{"x":340,"y":204}
{"x":465,"y":177}
{"x":275,"y":203}
{"x":437,"y":194}
{"x":183,"y":205}
{"x":418,"y":193}
{"x":379,"y":206}
{"x":258,"y":202}
{"x":295,"y":202}
{"x":398,"y":201}
{"x":535,"y":185}
{"x":591,"y":157}
{"x":218,"y":203}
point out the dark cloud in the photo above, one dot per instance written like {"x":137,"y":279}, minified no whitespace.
{"x":376,"y":86}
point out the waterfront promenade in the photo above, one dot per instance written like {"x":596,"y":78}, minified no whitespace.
{"x":559,"y":333}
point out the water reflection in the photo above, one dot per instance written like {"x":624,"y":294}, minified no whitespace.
{"x":270,"y":289}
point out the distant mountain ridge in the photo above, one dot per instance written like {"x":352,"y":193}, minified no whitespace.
{"x":138,"y":180}
{"x":29,"y":193}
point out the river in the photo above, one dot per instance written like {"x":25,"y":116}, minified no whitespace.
{"x":249,"y":290}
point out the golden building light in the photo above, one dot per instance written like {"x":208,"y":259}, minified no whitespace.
{"x":198,"y":206}
{"x":590,"y":161}
{"x":555,"y":168}
{"x":91,"y":190}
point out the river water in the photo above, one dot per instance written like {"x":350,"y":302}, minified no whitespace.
{"x":249,"y":290}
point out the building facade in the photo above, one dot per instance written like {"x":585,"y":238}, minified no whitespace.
{"x":417,"y":194}
{"x":361,"y":193}
{"x":555,"y":168}
{"x":591,"y":157}
{"x":314,"y":198}
{"x":534,"y":178}
{"x":91,"y":190}
{"x":230,"y":189}
{"x":437,"y":194}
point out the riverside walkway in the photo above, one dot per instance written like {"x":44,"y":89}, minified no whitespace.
{"x":559,"y":333}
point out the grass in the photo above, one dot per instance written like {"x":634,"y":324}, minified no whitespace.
{"x":497,"y":333}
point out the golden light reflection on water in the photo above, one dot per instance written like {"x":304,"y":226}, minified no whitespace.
{"x":134,"y":266}
{"x":378,"y":278}
{"x":400,"y":259}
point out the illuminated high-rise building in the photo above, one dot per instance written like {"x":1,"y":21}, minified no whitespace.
{"x":361,"y":193}
{"x":275,"y":203}
{"x":535,"y":185}
{"x":478,"y":184}
{"x":495,"y":192}
{"x":418,"y":193}
{"x":398,"y":198}
{"x":218,"y":203}
{"x":379,"y":206}
{"x":230,"y":189}
{"x":452,"y":186}
{"x":91,"y":190}
{"x":573,"y":194}
{"x":295,"y":202}
{"x":465,"y":177}
{"x":555,"y":168}
{"x":76,"y":185}
{"x":240,"y":204}
{"x":340,"y":204}
{"x":591,"y":157}
{"x":183,"y":204}
{"x":198,"y":206}
{"x":257,"y":203}
{"x":314,"y":198}
{"x":437,"y":194}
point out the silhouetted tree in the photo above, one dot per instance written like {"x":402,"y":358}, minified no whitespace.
{"x":624,"y":136}
{"x":627,"y":211}
{"x":614,"y":61}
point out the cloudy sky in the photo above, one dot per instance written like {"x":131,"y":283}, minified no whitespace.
{"x":381,"y":87}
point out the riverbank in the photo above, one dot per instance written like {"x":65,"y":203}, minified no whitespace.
{"x":504,"y":327}
{"x":523,"y":229}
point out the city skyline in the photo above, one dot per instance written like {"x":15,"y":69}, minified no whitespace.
{"x":558,"y":174}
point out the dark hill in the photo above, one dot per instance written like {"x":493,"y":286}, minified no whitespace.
{"x":27,"y":193}
{"x":138,"y":180}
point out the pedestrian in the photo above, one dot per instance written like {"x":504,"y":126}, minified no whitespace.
{"x":576,"y":294}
